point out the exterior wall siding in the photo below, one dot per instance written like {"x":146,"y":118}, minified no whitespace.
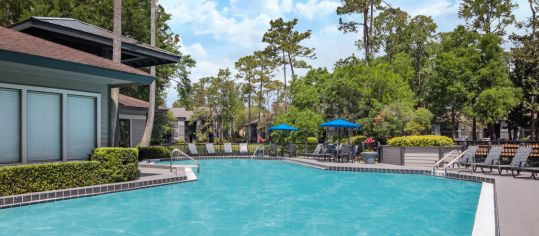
{"x":61,"y":80}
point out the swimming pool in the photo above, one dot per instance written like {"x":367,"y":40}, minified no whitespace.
{"x":246,"y":197}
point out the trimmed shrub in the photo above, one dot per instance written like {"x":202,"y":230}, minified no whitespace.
{"x":119,"y":164}
{"x":312,"y":140}
{"x":154,"y":152}
{"x":421,"y":141}
{"x":50,"y":176}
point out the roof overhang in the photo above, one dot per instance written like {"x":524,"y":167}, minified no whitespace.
{"x":133,"y":54}
{"x":117,"y":78}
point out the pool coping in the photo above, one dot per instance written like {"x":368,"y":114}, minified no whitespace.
{"x":86,"y":191}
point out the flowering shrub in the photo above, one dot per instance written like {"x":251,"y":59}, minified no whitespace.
{"x":369,"y":144}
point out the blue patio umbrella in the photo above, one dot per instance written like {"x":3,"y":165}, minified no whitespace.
{"x":283,"y":127}
{"x":341,"y":123}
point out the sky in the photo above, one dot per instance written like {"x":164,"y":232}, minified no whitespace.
{"x":218,"y":32}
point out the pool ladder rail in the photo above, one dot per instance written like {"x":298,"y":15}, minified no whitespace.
{"x":256,"y":150}
{"x":174,"y":151}
{"x":455,"y":155}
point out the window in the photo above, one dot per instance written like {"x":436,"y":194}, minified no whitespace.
{"x":44,"y":126}
{"x":125,"y":133}
{"x":81,"y":123}
{"x":10,"y":119}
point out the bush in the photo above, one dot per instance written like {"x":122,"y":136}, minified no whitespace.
{"x":119,"y":164}
{"x":44,"y":177}
{"x":154,"y":152}
{"x":312,"y":140}
{"x":421,"y":141}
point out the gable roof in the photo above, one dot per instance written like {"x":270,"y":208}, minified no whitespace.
{"x":93,"y":39}
{"x":16,"y":47}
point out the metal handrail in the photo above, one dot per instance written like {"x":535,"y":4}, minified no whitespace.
{"x":437,"y":164}
{"x":454,"y":160}
{"x":256,"y":150}
{"x":184,"y":154}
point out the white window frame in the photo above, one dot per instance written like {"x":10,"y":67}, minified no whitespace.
{"x":64,"y":93}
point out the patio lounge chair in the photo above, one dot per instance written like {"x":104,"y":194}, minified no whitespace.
{"x":467,"y":159}
{"x":533,"y":170}
{"x":192,"y":149}
{"x":292,"y":150}
{"x":227,"y":149}
{"x":273,"y":150}
{"x":328,"y":153}
{"x":210,"y":149}
{"x":493,"y":158}
{"x":519,"y":161}
{"x":345,"y":152}
{"x":316,"y":151}
{"x":244,"y":149}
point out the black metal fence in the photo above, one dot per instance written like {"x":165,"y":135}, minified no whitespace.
{"x":301,"y":148}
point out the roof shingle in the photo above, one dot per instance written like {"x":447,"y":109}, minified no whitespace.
{"x":11,"y":40}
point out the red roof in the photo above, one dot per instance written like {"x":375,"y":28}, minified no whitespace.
{"x":11,"y":40}
{"x":135,"y":103}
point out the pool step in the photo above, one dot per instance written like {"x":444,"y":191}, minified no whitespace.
{"x":439,"y":173}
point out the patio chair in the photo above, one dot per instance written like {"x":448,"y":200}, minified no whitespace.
{"x":522,"y":162}
{"x":355,"y":150}
{"x":467,"y":159}
{"x":329,"y":153}
{"x":244,"y":150}
{"x":345,"y":152}
{"x":493,"y":158}
{"x":192,"y":149}
{"x":316,"y":151}
{"x":227,"y":149}
{"x":518,"y":161}
{"x":532,"y":170}
{"x":210,"y":149}
{"x":273,"y":150}
{"x":292,"y":150}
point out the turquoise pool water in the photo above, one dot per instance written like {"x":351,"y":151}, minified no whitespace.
{"x":244,"y":197}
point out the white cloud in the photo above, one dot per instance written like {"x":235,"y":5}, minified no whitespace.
{"x":436,"y":8}
{"x":315,"y":8}
{"x":203,"y":17}
{"x":196,"y":50}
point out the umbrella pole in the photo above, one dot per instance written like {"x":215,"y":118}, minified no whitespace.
{"x":349,"y":136}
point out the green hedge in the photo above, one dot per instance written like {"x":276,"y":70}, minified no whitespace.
{"x":50,"y":176}
{"x":107,"y":165}
{"x":119,"y":164}
{"x":155,"y":152}
{"x":312,"y":140}
{"x":421,"y":141}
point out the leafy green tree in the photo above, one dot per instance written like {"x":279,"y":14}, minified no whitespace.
{"x":488,"y":16}
{"x":363,"y":8}
{"x":455,"y":65}
{"x":307,"y":120}
{"x":420,"y":122}
{"x":285,"y":45}
{"x":391,"y":31}
{"x":494,"y":105}
{"x":246,"y":68}
{"x":422,"y":31}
